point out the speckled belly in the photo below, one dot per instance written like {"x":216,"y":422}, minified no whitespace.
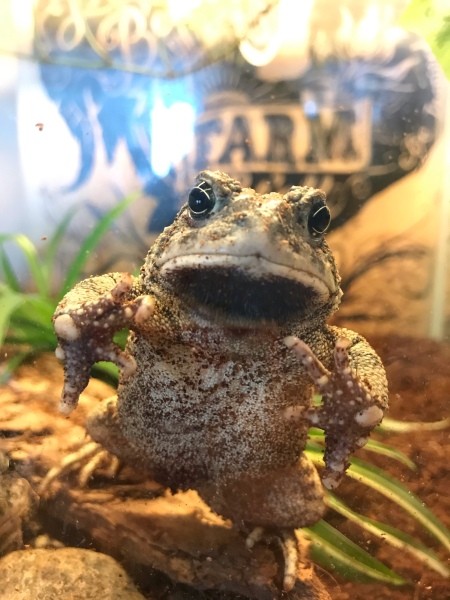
{"x":202,"y":417}
{"x":186,"y":444}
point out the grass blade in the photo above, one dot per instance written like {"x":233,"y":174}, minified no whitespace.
{"x":10,"y":302}
{"x":390,"y":452}
{"x":394,"y":426}
{"x":393,"y":536}
{"x":107,"y":372}
{"x":333,"y":550}
{"x":92,"y":241}
{"x":31,"y":255}
{"x":316,"y":433}
{"x":31,"y":334}
{"x":380,"y":481}
{"x":393,"y":489}
{"x":10,"y":277}
{"x":36,"y":310}
{"x":55,"y":240}
{"x":30,"y":323}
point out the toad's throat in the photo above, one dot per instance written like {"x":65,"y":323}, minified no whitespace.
{"x":244,"y":287}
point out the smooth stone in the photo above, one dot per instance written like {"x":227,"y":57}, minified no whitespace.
{"x":54,"y":574}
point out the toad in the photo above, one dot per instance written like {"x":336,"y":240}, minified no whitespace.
{"x":228,"y":339}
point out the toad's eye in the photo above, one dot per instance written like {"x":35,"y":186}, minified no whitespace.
{"x":319,"y":220}
{"x":201,"y":200}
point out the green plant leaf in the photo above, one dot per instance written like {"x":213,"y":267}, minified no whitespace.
{"x":391,"y":488}
{"x":107,"y":372}
{"x":31,"y":255}
{"x":8,"y":272}
{"x":10,"y":302}
{"x":92,"y":241}
{"x":390,"y":452}
{"x":53,"y":245}
{"x":28,"y":333}
{"x":37,"y":309}
{"x":26,"y":318}
{"x":390,"y":534}
{"x":334,"y":551}
{"x":431,"y":20}
{"x":30,"y":323}
{"x":394,"y":426}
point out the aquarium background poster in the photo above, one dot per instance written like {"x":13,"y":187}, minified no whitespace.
{"x":365,"y":125}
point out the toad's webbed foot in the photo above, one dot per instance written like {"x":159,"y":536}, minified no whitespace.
{"x":287,"y":539}
{"x":85,"y":322}
{"x":350,"y":407}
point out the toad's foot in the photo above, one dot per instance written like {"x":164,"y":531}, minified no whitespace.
{"x":83,"y":462}
{"x":349,"y":410}
{"x":287,"y":539}
{"x":85,"y":322}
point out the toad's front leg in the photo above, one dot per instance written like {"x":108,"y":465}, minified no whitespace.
{"x":354,"y":397}
{"x":85,"y":322}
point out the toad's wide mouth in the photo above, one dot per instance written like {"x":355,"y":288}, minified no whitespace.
{"x":244,"y":287}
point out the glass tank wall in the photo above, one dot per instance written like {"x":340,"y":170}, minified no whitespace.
{"x":143,"y":96}
{"x":102,"y":101}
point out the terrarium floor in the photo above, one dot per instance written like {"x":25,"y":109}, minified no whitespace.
{"x":419,"y":379}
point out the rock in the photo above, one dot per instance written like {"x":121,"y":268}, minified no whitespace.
{"x":64,"y":573}
{"x":17,"y":507}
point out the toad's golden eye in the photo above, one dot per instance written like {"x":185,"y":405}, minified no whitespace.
{"x":319,"y":219}
{"x":201,"y":200}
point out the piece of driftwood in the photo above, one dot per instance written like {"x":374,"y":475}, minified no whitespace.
{"x":136,"y":521}
{"x":17,"y":507}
